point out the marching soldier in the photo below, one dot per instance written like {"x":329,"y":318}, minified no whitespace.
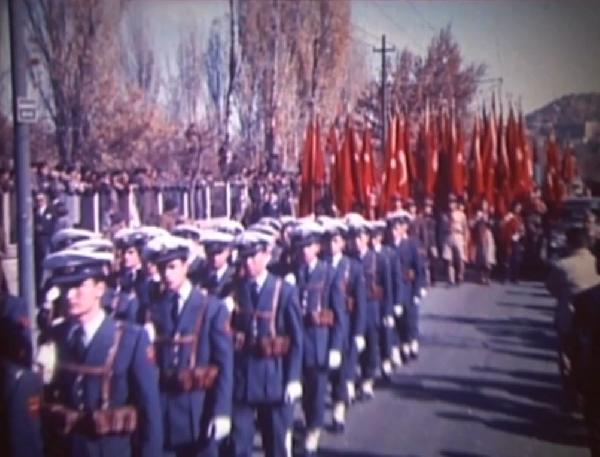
{"x":194,"y":355}
{"x":322,"y":306}
{"x":388,"y":340}
{"x":220,"y":276}
{"x":268,"y":353}
{"x":379,"y":294}
{"x":411,"y":283}
{"x":197,"y":261}
{"x":102,"y":396}
{"x":349,"y":273}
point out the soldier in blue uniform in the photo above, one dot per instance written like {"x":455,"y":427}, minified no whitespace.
{"x":411,"y":282}
{"x":102,"y":397}
{"x":379,"y":297}
{"x":194,"y":354}
{"x":219,"y":276}
{"x":325,"y":320}
{"x":268,"y":352}
{"x":197,"y":264}
{"x":350,"y":273}
{"x":20,"y":434}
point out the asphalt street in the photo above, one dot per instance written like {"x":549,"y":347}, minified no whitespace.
{"x":485,"y":385}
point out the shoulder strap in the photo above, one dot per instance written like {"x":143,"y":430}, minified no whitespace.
{"x":276,"y":294}
{"x":197,"y":328}
{"x":108,"y":366}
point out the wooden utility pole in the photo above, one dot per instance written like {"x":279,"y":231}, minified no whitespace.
{"x":383,"y":50}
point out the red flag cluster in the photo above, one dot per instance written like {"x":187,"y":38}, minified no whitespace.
{"x":498,"y":168}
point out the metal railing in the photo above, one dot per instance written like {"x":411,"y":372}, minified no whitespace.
{"x":141,"y":206}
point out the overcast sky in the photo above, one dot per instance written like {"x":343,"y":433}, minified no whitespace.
{"x":541,"y":48}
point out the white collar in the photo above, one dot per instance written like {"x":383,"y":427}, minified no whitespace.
{"x":377,"y":247}
{"x":91,"y":327}
{"x":184,"y":293}
{"x":335,"y":260}
{"x":313,"y":264}
{"x":221,"y":271}
{"x":261,"y":278}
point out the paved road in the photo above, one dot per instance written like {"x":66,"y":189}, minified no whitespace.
{"x":485,"y":385}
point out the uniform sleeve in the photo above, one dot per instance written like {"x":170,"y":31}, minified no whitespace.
{"x":293,"y":326}
{"x":394,"y":269}
{"x":420,"y":280}
{"x":360,"y":296}
{"x":221,"y":344}
{"x":391,"y":290}
{"x":145,"y":388}
{"x":337,"y":305}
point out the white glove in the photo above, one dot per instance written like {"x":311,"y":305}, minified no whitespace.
{"x":388,"y":321}
{"x":52,"y":294}
{"x":229,"y":304}
{"x":359,"y":340}
{"x":46,"y":361}
{"x":219,"y":427}
{"x":293,"y":391}
{"x":398,"y":310}
{"x":417,"y":300}
{"x":423,"y":292}
{"x":151,"y":331}
{"x":335,"y":359}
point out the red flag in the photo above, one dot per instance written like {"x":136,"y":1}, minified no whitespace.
{"x":476,"y":181}
{"x":457,"y":161}
{"x":306,"y":194}
{"x":431,"y":155}
{"x":552,"y":153}
{"x":347,"y":191}
{"x":505,"y":169}
{"x":526,"y":173}
{"x":569,"y":166}
{"x":390,"y":176}
{"x":402,"y":186}
{"x":490,"y":159}
{"x":369,"y":175}
{"x":313,"y":170}
{"x":334,"y":163}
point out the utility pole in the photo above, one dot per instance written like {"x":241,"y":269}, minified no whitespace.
{"x":18,"y":60}
{"x":383,"y":50}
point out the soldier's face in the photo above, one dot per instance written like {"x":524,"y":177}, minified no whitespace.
{"x":257,"y":263}
{"x":131,"y":258}
{"x":336,"y":244}
{"x":218,"y":259}
{"x":84,"y":298}
{"x":174,"y":274}
{"x":310,"y":252}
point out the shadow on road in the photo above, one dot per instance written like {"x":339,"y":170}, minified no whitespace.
{"x":344,"y":453}
{"x":514,"y":407}
{"x":449,"y":453}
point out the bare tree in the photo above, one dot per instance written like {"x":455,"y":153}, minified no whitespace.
{"x":138,"y":55}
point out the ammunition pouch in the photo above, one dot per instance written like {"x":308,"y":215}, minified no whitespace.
{"x":375,"y":293}
{"x":351,"y":305}
{"x":101,"y":422}
{"x":273,"y":346}
{"x":322,"y":318}
{"x":189,"y":379}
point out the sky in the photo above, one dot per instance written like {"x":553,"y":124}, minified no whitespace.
{"x":542,"y":49}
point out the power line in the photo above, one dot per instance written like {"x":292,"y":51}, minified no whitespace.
{"x":420,"y":14}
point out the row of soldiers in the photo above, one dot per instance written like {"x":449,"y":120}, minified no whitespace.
{"x":181,"y":343}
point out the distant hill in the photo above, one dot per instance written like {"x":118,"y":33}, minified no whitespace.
{"x":569,"y":109}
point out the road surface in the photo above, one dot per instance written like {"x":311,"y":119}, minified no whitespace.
{"x":485,"y":385}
